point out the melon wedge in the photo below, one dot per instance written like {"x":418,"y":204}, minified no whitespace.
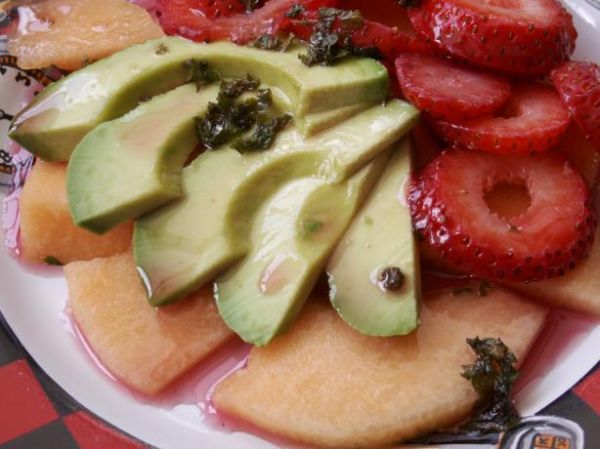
{"x":143,"y":347}
{"x":47,"y":229}
{"x":326,"y":384}
{"x":578,"y":290}
{"x":72,"y":33}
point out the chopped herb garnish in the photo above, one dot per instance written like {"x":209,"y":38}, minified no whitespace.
{"x":295,"y":10}
{"x":492,"y":375}
{"x":162,"y":49}
{"x":200,"y":73}
{"x":392,"y":278}
{"x":408,"y":3}
{"x":264,"y":99}
{"x":273,"y":43}
{"x":482,"y":289}
{"x":263,"y":135}
{"x":329,"y":43}
{"x":228,"y":118}
{"x":225,"y":120}
{"x":310,"y":226}
{"x":51,"y":260}
{"x":513,"y":228}
{"x":462,"y":290}
{"x":236,"y":87}
{"x":251,"y":5}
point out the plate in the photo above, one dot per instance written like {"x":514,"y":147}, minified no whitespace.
{"x":33,"y":304}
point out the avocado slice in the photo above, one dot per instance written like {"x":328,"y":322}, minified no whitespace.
{"x":131,"y":165}
{"x":380,"y":237}
{"x":292,"y":237}
{"x":319,"y":121}
{"x":224,"y":190}
{"x":54,"y":123}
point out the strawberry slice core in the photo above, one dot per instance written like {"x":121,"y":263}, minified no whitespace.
{"x":448,"y":205}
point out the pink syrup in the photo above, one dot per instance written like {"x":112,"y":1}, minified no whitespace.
{"x":562,"y":331}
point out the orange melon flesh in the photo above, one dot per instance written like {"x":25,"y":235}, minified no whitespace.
{"x":47,"y":228}
{"x":325,"y":384}
{"x":578,"y":290}
{"x":72,"y":33}
{"x":143,"y":347}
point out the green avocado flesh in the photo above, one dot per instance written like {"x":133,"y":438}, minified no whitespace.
{"x":292,"y":236}
{"x":380,"y":236}
{"x":182,"y":245}
{"x":131,"y":165}
{"x":63,"y":113}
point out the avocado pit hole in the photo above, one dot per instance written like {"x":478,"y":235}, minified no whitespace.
{"x":508,"y":199}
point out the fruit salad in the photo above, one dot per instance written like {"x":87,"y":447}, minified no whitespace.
{"x":380,"y":203}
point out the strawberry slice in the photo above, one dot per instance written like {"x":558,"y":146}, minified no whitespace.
{"x":578,"y":84}
{"x":522,"y":37}
{"x":448,"y":205}
{"x":533,"y":120}
{"x":447,"y":90}
{"x":389,"y":41}
{"x":181,"y":17}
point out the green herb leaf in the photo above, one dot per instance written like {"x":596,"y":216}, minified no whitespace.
{"x":51,"y":260}
{"x":273,"y":43}
{"x":295,"y":10}
{"x":310,"y":226}
{"x":251,"y":5}
{"x":492,"y":375}
{"x":236,"y":87}
{"x":162,"y":49}
{"x":225,"y":120}
{"x":482,"y":289}
{"x":200,"y":73}
{"x":409,"y":3}
{"x":462,"y":290}
{"x":263,"y":136}
{"x":325,"y":45}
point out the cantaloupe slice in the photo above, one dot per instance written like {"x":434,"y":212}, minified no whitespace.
{"x":326,"y":384}
{"x":72,"y":33}
{"x":577,"y":290}
{"x":143,"y":347}
{"x":47,"y":229}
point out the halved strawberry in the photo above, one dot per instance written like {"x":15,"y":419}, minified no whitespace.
{"x":180,"y":17}
{"x":447,"y":90}
{"x":533,"y":120}
{"x":448,"y":206}
{"x":522,"y":37}
{"x":578,"y":84}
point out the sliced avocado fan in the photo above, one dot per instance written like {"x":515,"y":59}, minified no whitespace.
{"x":185,"y":244}
{"x":63,"y":113}
{"x":374,"y":272}
{"x":292,"y":237}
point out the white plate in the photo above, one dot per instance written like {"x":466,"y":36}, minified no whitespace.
{"x":33,"y":307}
